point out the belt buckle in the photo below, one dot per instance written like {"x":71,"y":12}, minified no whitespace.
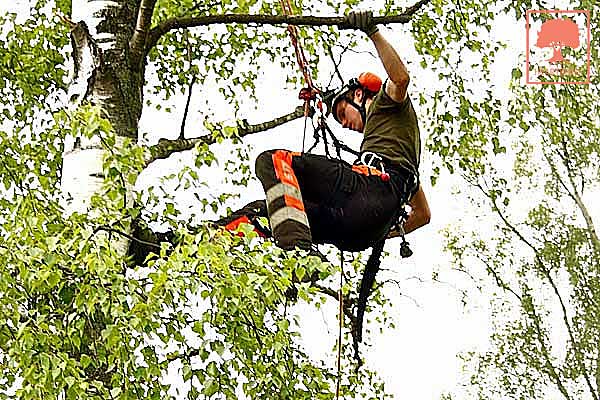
{"x":368,"y":158}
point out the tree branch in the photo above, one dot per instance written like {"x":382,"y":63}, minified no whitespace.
{"x":191,"y":86}
{"x":166,"y":147}
{"x":546,"y":273}
{"x":335,"y":65}
{"x":583,"y":209}
{"x":188,"y":22}
{"x":347,"y":303}
{"x":137,"y":44}
{"x":551,"y":369}
{"x":500,"y":282}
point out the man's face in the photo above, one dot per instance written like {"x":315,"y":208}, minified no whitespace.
{"x":348,"y":115}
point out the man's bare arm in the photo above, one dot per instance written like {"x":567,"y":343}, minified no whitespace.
{"x":420,"y":214}
{"x":397,"y":85}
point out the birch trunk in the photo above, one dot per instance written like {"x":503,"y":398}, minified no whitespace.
{"x":103,"y":76}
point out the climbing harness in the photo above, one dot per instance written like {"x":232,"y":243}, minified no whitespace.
{"x":372,"y":160}
{"x":311,"y":94}
{"x":322,"y":131}
{"x":369,"y":83}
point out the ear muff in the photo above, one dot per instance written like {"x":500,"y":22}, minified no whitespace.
{"x":370,"y":81}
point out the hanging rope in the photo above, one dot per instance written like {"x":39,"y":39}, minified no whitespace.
{"x":321,"y":132}
{"x":341,"y":326}
{"x":299,"y":51}
{"x":310,"y":92}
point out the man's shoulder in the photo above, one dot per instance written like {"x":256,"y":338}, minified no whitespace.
{"x":383,"y":100}
{"x":394,"y":93}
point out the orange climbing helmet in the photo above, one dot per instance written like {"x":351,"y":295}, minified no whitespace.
{"x":368,"y":82}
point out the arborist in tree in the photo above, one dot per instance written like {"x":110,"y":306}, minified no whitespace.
{"x":315,"y":199}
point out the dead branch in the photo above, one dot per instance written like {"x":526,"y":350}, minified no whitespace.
{"x":348,"y":303}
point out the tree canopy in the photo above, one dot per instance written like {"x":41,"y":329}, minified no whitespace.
{"x":97,"y":305}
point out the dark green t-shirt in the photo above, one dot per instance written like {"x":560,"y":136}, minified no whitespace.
{"x":392,"y":131}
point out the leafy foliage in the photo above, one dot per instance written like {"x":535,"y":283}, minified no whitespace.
{"x":83,"y":321}
{"x":535,"y":150}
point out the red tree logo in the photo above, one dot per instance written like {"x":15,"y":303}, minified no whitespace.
{"x":558,"y":33}
{"x":557,"y":30}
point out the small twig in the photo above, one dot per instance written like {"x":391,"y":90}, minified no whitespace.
{"x":72,"y":25}
{"x":250,"y":322}
{"x":192,"y":82}
{"x":397,"y":283}
{"x":335,"y":64}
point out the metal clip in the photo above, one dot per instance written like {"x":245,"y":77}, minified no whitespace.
{"x":368,"y":158}
{"x":405,"y":250}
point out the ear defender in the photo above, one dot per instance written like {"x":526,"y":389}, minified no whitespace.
{"x":370,"y":81}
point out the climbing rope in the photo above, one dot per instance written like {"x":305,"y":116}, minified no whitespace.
{"x":341,"y":326}
{"x":310,"y":92}
{"x":299,"y":51}
{"x":321,"y":132}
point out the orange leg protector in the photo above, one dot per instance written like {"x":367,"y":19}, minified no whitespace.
{"x":287,"y":215}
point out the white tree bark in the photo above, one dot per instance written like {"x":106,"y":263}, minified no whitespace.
{"x":100,"y":62}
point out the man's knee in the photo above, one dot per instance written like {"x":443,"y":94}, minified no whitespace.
{"x":266,"y":157}
{"x":264,"y":164}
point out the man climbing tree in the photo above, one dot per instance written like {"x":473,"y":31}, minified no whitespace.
{"x":316,"y":199}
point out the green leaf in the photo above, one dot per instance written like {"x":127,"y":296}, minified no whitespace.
{"x":516,"y":73}
{"x":210,"y":387}
{"x":85,"y":361}
{"x":300,"y":272}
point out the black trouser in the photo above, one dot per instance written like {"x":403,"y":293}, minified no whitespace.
{"x":311,"y":198}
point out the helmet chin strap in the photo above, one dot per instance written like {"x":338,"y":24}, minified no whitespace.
{"x":362,"y":109}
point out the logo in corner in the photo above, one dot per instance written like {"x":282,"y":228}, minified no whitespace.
{"x":558,"y":47}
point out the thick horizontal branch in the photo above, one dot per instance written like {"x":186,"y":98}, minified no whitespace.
{"x":165,"y":147}
{"x":189,"y":22}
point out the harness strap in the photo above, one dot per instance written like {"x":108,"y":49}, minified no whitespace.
{"x":374,"y":261}
{"x":366,"y":285}
{"x":322,"y":131}
{"x":379,"y":163}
